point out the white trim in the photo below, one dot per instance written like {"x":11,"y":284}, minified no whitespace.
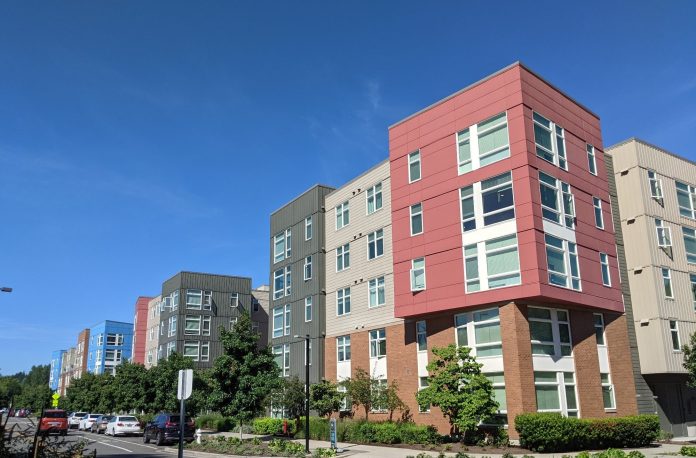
{"x":412,"y":215}
{"x":416,"y":154}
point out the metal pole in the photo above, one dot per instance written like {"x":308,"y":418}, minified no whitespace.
{"x":307,"y":393}
{"x":182,"y":418}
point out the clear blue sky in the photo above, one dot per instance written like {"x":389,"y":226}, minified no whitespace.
{"x":138,"y":139}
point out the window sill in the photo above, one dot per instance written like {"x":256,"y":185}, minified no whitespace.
{"x":369,"y":214}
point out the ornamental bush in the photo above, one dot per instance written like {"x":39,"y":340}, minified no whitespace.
{"x":273,"y":426}
{"x":552,"y":432}
{"x":367,"y":432}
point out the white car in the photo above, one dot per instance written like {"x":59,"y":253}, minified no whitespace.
{"x":74,"y":419}
{"x":123,"y":424}
{"x":87,"y":421}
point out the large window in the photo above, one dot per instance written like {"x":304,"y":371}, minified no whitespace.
{"x":282,"y":246}
{"x":608,"y":392}
{"x":483,"y":143}
{"x":374,"y":198}
{"x":674,"y":331}
{"x":172,"y":326}
{"x":281,"y":355}
{"x":192,"y":325}
{"x":492,"y":264}
{"x":308,"y":268}
{"x":686,"y":197}
{"x":376,"y":292}
{"x":498,"y":381}
{"x":655,"y":186}
{"x":562,"y":261}
{"x":598,"y":216}
{"x":375,"y":244}
{"x":378,"y":343}
{"x":591,"y":159}
{"x":418,"y":274}
{"x":342,"y":215}
{"x":308,"y":309}
{"x":343,"y":301}
{"x":414,"y":166}
{"x":194,"y":299}
{"x":664,"y":234}
{"x":308,"y":228}
{"x":479,"y":331}
{"x":175,"y":300}
{"x":692,"y":279}
{"x":555,"y":392}
{"x":549,"y":330}
{"x":421,"y":336}
{"x":416,"y":219}
{"x":114,"y":339}
{"x":557,"y":201}
{"x":234,"y":300}
{"x":192,"y":349}
{"x":343,"y":348}
{"x":550,"y":141}
{"x":604,"y":262}
{"x":690,"y":244}
{"x":281,"y":320}
{"x":599,"y":328}
{"x":488,"y":202}
{"x":667,"y":282}
{"x":282,"y":282}
{"x":343,"y":257}
{"x":112,"y":356}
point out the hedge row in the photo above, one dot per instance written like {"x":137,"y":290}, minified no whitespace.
{"x":216,"y":422}
{"x":552,"y":432}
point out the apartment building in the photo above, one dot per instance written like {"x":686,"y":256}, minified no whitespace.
{"x":298,"y":296}
{"x":261,"y":297}
{"x":153,"y":331}
{"x":55,"y":369}
{"x":359,"y":279}
{"x":195,"y":305}
{"x":66,"y":370}
{"x":140,"y":329}
{"x":110,"y":344}
{"x":74,"y":361}
{"x":656,"y":201}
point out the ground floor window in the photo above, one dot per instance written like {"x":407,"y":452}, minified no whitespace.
{"x":378,"y":389}
{"x":608,"y":392}
{"x":555,"y":392}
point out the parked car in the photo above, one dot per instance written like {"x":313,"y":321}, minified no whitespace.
{"x":123,"y":424}
{"x":54,"y":421}
{"x":99,"y":425}
{"x":87,"y":420}
{"x":164,"y":428}
{"x":74,"y":419}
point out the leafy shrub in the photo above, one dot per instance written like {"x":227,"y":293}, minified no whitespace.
{"x":323,"y":452}
{"x":215,"y":422}
{"x":387,"y":433}
{"x":551,"y":432}
{"x":687,"y":451}
{"x":273,"y":426}
{"x":318,"y":428}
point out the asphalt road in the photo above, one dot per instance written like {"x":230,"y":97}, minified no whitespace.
{"x":107,"y":446}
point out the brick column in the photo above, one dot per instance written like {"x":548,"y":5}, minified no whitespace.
{"x":589,"y":385}
{"x":330,"y":358}
{"x":517,"y":361}
{"x":616,"y":332}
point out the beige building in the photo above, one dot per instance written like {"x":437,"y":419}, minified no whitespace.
{"x":153,"y":331}
{"x":359,"y":277}
{"x":259,"y":312}
{"x":656,"y":193}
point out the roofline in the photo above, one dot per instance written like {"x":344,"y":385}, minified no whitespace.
{"x":205,"y":273}
{"x":317,"y":185}
{"x":371,"y":169}
{"x":638,"y":140}
{"x":486,"y":78}
{"x":110,"y":321}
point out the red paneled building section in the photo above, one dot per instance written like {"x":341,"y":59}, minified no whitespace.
{"x":140,"y":329}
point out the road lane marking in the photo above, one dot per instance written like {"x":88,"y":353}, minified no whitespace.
{"x":115,"y":446}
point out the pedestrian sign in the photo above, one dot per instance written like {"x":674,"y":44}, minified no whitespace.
{"x":55,"y":399}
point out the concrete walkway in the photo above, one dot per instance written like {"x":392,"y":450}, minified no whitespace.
{"x":361,"y":450}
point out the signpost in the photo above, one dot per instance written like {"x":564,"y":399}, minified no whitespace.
{"x":183,"y":392}
{"x":332,"y":433}
{"x":54,"y":399}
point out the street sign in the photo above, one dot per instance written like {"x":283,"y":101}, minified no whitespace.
{"x":54,"y":403}
{"x":55,"y":399}
{"x":185,"y":384}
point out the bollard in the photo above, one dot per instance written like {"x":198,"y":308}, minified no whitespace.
{"x":198,"y":435}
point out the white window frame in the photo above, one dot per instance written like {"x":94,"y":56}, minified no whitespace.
{"x":564,"y":208}
{"x":308,"y":228}
{"x":192,"y":344}
{"x":279,"y":247}
{"x":664,"y":234}
{"x":598,"y":215}
{"x":599,"y":329}
{"x":374,"y":195}
{"x":175,"y":300}
{"x":287,"y":319}
{"x":376,"y":336}
{"x":343,"y":254}
{"x":667,"y":283}
{"x":100,"y":339}
{"x":343,"y":301}
{"x":205,"y":326}
{"x":465,"y":137}
{"x":205,"y":351}
{"x":308,"y":309}
{"x":608,"y":386}
{"x":234,"y":300}
{"x":191,"y":296}
{"x":195,"y":319}
{"x":559,"y":158}
{"x":413,"y":272}
{"x":343,"y":352}
{"x":342,"y":215}
{"x":689,"y":236}
{"x":570,"y":257}
{"x":591,"y":159}
{"x":414,"y":158}
{"x":556,"y":322}
{"x":413,"y":214}
{"x":278,"y":330}
{"x":172,"y":326}
{"x":655,"y":185}
{"x":307,"y":268}
{"x":690,"y":191}
{"x":288,"y":280}
{"x":421,"y":336}
{"x":279,"y":289}
{"x":375,"y":240}
{"x":480,"y":252}
{"x":374,"y":287}
{"x":674,"y":331}
{"x":475,"y":193}
{"x":561,"y":384}
{"x":468,"y":322}
{"x":606,"y":272}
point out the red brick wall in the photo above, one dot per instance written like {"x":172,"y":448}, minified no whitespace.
{"x":589,"y":385}
{"x":616,"y":333}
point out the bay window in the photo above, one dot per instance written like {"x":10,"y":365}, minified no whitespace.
{"x":550,"y":141}
{"x":562,"y":263}
{"x":557,"y":201}
{"x":483,"y":143}
{"x":488,"y":202}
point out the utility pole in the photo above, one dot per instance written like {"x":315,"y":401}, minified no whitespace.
{"x":306,"y":428}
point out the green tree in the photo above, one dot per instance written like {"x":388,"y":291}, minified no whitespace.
{"x":325,"y":398}
{"x":364,"y":390}
{"x":164,"y":378}
{"x":132,"y":390}
{"x":390,"y":400}
{"x":690,"y":360}
{"x":244,"y":375}
{"x":291,"y":395}
{"x":457,"y":386}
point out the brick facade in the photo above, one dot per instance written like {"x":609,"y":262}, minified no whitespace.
{"x":616,"y":332}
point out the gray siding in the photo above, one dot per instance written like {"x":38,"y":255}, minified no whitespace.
{"x":292,"y":216}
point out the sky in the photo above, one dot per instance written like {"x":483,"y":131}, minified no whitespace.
{"x":139,"y":139}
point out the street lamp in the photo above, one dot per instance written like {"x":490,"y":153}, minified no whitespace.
{"x":306,"y":341}
{"x":5,"y":289}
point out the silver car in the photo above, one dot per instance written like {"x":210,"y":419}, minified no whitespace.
{"x":123,"y":425}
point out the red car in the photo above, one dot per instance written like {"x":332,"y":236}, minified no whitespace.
{"x":54,"y":421}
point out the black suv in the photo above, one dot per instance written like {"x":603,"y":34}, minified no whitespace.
{"x":165,"y":428}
